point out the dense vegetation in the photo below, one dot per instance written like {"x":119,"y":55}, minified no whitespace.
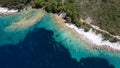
{"x":105,"y":13}
{"x":17,"y":4}
{"x":70,"y":6}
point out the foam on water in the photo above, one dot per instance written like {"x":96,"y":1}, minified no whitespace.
{"x":76,"y":47}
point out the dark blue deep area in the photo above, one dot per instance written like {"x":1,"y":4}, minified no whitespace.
{"x":39,"y":50}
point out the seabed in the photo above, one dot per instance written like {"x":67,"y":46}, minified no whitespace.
{"x":77,"y":48}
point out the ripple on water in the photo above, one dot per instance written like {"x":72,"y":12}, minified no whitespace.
{"x":75,"y":46}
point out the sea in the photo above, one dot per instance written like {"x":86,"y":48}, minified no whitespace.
{"x":46,"y":44}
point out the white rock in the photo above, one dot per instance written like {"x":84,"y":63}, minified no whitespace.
{"x":92,"y":37}
{"x":5,"y":11}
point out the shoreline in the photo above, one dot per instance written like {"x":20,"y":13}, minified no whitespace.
{"x":85,"y":37}
{"x":17,"y":30}
{"x":80,"y":33}
{"x":27,"y":21}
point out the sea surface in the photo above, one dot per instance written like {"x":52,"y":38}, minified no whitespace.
{"x":47,"y":45}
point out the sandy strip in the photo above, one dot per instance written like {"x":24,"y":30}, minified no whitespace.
{"x":28,"y":22}
{"x":90,"y":38}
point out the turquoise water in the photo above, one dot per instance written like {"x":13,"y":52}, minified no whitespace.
{"x":75,"y":46}
{"x":12,"y":35}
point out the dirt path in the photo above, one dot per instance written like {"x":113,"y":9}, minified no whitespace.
{"x":89,"y":20}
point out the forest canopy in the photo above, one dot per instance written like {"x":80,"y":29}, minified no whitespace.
{"x":105,"y":13}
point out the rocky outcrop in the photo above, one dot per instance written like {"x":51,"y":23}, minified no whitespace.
{"x":6,"y":11}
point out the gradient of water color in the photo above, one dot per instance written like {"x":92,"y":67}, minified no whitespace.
{"x":48,"y":45}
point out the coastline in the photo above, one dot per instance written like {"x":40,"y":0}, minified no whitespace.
{"x":77,"y":45}
{"x":78,"y":32}
{"x":96,"y":43}
{"x":27,"y":20}
{"x":17,"y":30}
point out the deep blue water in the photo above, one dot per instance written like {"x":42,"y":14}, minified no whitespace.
{"x":40,"y":50}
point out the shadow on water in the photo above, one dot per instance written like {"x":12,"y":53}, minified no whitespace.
{"x":39,"y":50}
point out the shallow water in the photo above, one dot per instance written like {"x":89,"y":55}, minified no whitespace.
{"x":47,"y":45}
{"x":75,"y":46}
